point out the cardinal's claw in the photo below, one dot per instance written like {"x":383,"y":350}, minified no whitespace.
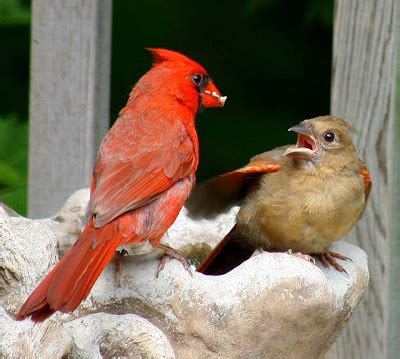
{"x":328,"y":258}
{"x":172,"y":253}
{"x":161,"y":265}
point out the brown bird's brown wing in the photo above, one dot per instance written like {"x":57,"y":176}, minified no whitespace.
{"x":367,"y":180}
{"x":219,"y":194}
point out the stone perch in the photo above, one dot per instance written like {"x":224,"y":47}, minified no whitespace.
{"x":274,"y":305}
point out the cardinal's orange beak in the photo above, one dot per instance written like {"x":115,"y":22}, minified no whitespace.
{"x":211,"y":97}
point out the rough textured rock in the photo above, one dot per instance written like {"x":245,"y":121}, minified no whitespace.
{"x":274,"y":305}
{"x":27,"y":250}
{"x":98,"y":335}
{"x":105,"y":335}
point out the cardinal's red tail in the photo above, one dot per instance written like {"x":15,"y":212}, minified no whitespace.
{"x":73,"y":277}
{"x":228,"y":254}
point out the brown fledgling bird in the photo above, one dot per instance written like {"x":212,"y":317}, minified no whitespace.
{"x":299,"y":198}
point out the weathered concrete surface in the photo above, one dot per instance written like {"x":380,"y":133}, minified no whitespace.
{"x":272,"y":306}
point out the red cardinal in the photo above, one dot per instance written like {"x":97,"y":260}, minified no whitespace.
{"x":144,"y":172}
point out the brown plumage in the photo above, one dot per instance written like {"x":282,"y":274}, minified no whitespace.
{"x":300,"y":198}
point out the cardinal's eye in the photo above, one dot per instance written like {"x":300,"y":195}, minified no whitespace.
{"x":199,"y":80}
{"x":329,"y":137}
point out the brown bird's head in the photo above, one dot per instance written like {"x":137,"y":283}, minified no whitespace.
{"x":324,"y":141}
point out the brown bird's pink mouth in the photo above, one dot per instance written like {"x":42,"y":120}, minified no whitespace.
{"x":306,"y":147}
{"x":306,"y":142}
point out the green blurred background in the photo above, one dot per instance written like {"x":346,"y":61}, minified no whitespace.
{"x":271,"y":57}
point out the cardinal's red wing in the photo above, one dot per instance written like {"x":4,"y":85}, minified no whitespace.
{"x":134,"y":176}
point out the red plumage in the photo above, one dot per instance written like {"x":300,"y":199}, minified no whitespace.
{"x":144,"y":172}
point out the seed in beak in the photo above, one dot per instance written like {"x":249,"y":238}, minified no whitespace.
{"x":221,"y":99}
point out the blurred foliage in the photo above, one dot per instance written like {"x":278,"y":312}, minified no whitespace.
{"x":271,"y":57}
{"x":13,"y":163}
{"x":14,"y":77}
{"x":14,"y":12}
{"x":14,"y":62}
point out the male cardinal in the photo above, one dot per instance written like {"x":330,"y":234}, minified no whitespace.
{"x":144,"y":172}
{"x":298,"y":198}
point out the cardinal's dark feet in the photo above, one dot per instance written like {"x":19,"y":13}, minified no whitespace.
{"x":118,"y":262}
{"x":172,"y":253}
{"x":328,"y":258}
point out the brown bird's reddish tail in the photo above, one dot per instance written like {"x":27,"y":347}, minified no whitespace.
{"x":228,"y":254}
{"x":73,"y":277}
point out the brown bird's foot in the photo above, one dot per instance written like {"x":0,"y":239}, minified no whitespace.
{"x":304,"y":256}
{"x":118,"y":262}
{"x":172,"y":253}
{"x":328,"y":258}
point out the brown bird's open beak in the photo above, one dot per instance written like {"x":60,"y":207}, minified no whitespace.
{"x":306,"y":146}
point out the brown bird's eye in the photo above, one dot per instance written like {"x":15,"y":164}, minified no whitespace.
{"x":329,"y":137}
